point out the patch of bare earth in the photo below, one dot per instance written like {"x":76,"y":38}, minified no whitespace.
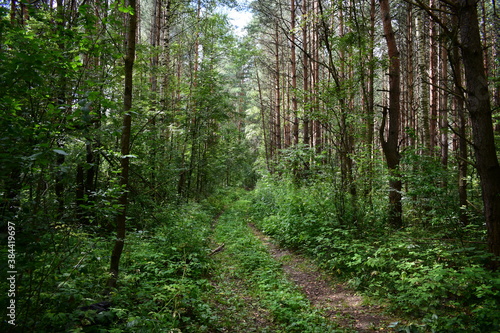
{"x":342,"y":305}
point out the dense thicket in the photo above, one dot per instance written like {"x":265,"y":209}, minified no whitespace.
{"x":96,"y":115}
{"x":372,"y":126}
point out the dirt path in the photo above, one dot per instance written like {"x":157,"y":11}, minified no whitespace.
{"x":340,"y":304}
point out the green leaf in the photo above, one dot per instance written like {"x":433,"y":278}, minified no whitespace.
{"x":126,"y":9}
{"x":60,"y":152}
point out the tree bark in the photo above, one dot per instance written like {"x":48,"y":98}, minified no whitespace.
{"x":434,"y":74}
{"x":263,"y":120}
{"x":293,"y":59}
{"x":125,"y":148}
{"x":390,"y":145}
{"x":443,"y":100}
{"x":314,"y":47}
{"x":462,"y":146}
{"x":305,"y":70}
{"x":423,"y":68}
{"x":478,"y":105}
{"x":277,"y":91}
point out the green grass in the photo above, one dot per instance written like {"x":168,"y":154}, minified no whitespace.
{"x":163,"y":275}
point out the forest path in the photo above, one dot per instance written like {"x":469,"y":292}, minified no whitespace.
{"x":260,"y":287}
{"x":339,"y":303}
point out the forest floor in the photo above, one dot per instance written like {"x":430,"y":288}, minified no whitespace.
{"x":262,"y":287}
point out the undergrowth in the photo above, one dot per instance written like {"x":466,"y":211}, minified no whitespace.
{"x":440,"y":284}
{"x":169,"y":282}
{"x":163,"y":275}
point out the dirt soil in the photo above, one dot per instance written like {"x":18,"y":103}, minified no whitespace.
{"x":341,"y":304}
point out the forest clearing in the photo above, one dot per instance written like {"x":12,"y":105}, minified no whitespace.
{"x":250,"y":166}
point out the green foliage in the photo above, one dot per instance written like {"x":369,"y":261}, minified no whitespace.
{"x":60,"y":107}
{"x":431,"y":197}
{"x":298,"y":216}
{"x":163,"y":277}
{"x":440,"y":283}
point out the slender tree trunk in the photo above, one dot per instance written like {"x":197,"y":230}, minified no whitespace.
{"x":125,"y":148}
{"x":411,"y":118}
{"x":263,"y":120}
{"x":168,"y":95}
{"x":434,"y":74}
{"x":314,"y":46}
{"x":478,"y":104}
{"x":25,"y":12}
{"x":277,"y":91}
{"x":12,"y":12}
{"x":287,"y":123}
{"x":423,"y":68}
{"x":485,"y":38}
{"x":443,"y":101}
{"x":197,"y":43}
{"x":305,"y":69}
{"x":390,"y":145}
{"x":293,"y":58}
{"x":155,"y":42}
{"x":458,"y":105}
{"x":370,"y":104}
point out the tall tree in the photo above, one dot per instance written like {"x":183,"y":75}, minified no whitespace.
{"x":125,"y":144}
{"x":293,"y":60}
{"x":443,"y":98}
{"x":458,"y":105}
{"x":278,"y":98}
{"x":423,"y":68}
{"x":479,"y":107}
{"x":305,"y":72}
{"x":390,"y":145}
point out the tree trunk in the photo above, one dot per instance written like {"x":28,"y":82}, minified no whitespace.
{"x":263,"y":120}
{"x":478,"y":104}
{"x":125,"y":148}
{"x":434,"y":74}
{"x":305,"y":70}
{"x":423,"y":67}
{"x":461,"y":139}
{"x":277,"y":92}
{"x":443,"y":101}
{"x":458,"y":104}
{"x":314,"y":47}
{"x":370,"y":103}
{"x":390,"y":145}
